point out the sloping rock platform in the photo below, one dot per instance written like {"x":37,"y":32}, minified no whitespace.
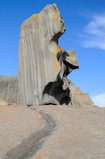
{"x":52,"y":132}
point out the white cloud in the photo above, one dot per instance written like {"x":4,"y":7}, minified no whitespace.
{"x":94,"y":32}
{"x":99,"y":100}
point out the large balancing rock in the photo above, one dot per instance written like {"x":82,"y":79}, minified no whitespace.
{"x":38,"y":49}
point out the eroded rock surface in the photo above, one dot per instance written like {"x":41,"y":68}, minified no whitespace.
{"x":9,"y":88}
{"x":43,"y":65}
{"x":78,"y":98}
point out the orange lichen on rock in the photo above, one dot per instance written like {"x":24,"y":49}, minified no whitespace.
{"x":55,"y":50}
{"x":54,"y":61}
{"x":37,"y":20}
{"x":55,"y":15}
{"x":45,"y":151}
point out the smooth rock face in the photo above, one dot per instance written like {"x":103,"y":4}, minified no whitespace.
{"x":43,"y":65}
{"x":9,"y":89}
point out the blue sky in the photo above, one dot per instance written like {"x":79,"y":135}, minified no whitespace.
{"x":85,"y":33}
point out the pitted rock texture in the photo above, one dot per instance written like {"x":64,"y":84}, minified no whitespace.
{"x":43,"y":65}
{"x":9,"y":89}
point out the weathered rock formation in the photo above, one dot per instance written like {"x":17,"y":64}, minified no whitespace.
{"x":43,"y":65}
{"x":78,"y":98}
